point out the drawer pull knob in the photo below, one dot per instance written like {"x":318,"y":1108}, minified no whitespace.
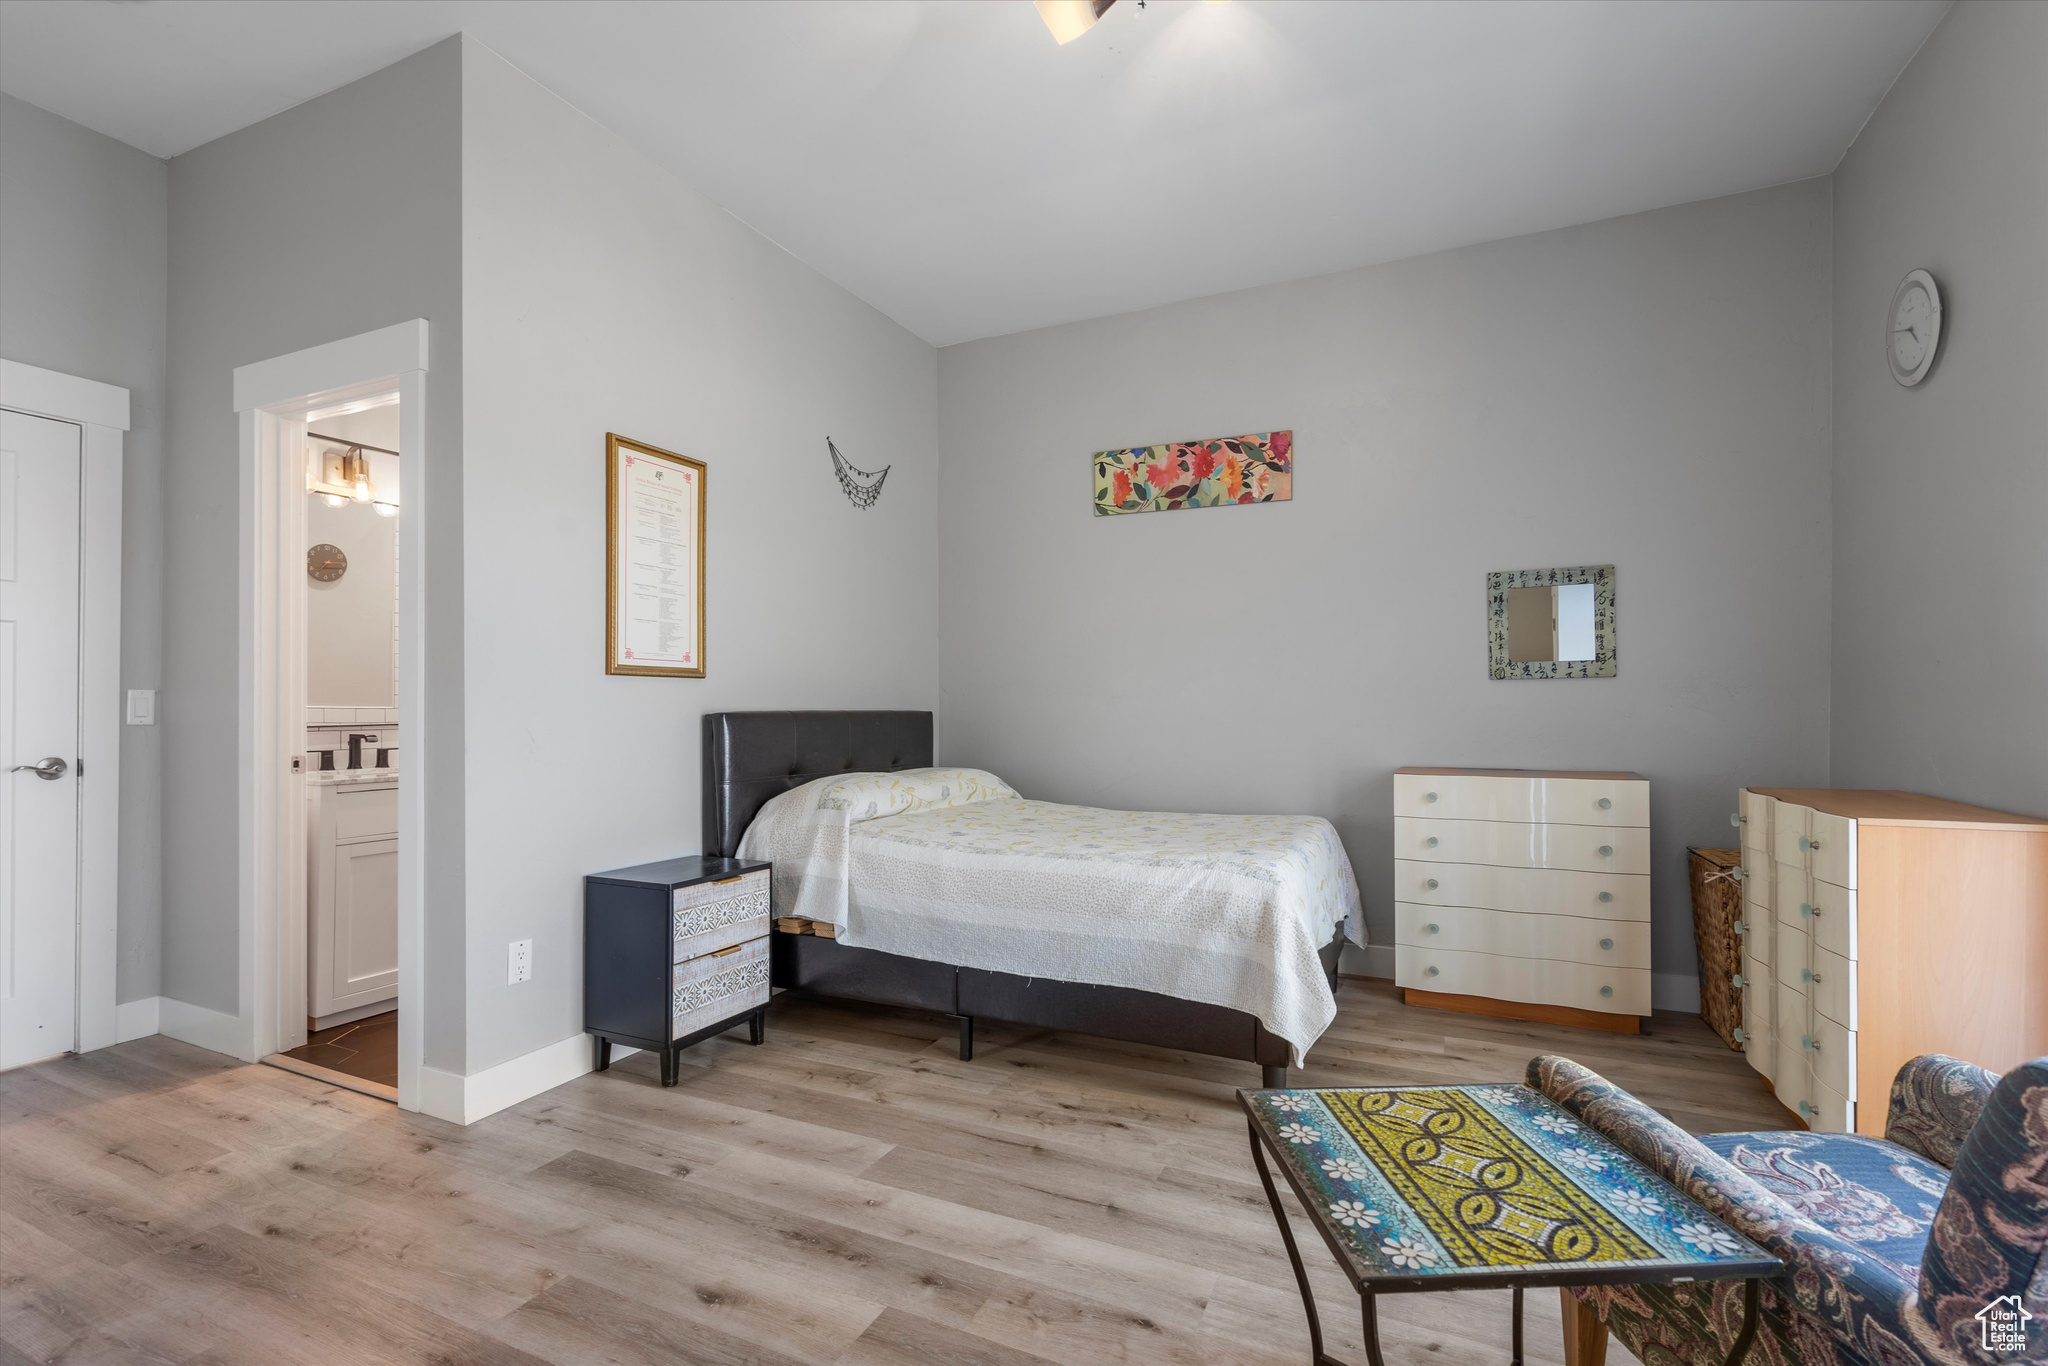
{"x":1607,"y":991}
{"x":1739,"y":1033}
{"x":1816,"y":976}
{"x":1738,"y":872}
{"x":1804,"y":1109}
{"x":1807,"y":1044}
{"x":1431,"y":884}
{"x":1429,"y":796}
{"x":1606,"y":851}
{"x":720,"y":953}
{"x":1606,"y":804}
{"x":1805,"y":910}
{"x":1429,"y":843}
{"x":1430,"y":929}
{"x":1806,"y":974}
{"x":1736,"y":981}
{"x":1735,"y":818}
{"x":1429,"y":972}
{"x":1607,"y":943}
{"x":1741,"y":928}
{"x":1805,"y":843}
{"x":1607,"y":896}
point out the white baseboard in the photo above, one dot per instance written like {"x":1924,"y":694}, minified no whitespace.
{"x":202,"y":1027}
{"x":1675,"y":991}
{"x":137,"y":1019}
{"x":465,"y":1100}
{"x":1375,"y":960}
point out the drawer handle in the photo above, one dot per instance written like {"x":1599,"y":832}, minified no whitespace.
{"x":1430,"y":929}
{"x":720,"y":882}
{"x":1429,"y":972}
{"x":1735,"y":818}
{"x":1807,"y":1044}
{"x":1607,"y":896}
{"x":1429,"y":796}
{"x":1606,"y":851}
{"x":1739,"y":1034}
{"x":1429,"y":843}
{"x":1431,"y":884}
{"x":720,"y":953}
{"x":1805,"y":843}
{"x":1805,"y":910}
{"x":1804,"y":1109}
{"x":1737,"y":982}
{"x":1607,"y":991}
{"x":1605,"y":804}
{"x":1806,"y":975}
{"x":1738,"y":872}
{"x":1741,"y":928}
{"x":1607,"y":943}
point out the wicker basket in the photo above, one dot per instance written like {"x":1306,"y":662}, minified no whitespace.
{"x":1716,"y":906}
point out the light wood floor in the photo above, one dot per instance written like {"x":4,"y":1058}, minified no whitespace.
{"x":850,"y":1192}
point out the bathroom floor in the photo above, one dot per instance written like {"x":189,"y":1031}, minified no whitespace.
{"x":366,"y":1048}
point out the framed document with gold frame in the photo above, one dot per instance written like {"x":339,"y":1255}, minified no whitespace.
{"x":654,"y":560}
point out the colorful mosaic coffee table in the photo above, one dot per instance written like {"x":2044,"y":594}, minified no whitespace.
{"x":1481,"y":1187}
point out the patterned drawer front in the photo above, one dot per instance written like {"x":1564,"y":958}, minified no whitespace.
{"x":1515,"y":934}
{"x":1624,"y":991}
{"x":1507,"y":845}
{"x":1789,"y":845}
{"x":1831,"y":847}
{"x":714,"y":986}
{"x":1546,"y":891}
{"x":1757,"y":815}
{"x":737,"y":913}
{"x":1522,"y":801}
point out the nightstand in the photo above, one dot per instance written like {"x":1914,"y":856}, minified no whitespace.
{"x":673,"y":953}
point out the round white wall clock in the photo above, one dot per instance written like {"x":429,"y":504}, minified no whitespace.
{"x":1913,"y":328}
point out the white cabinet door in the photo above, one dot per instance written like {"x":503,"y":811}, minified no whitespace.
{"x":39,"y":487}
{"x":355,"y":952}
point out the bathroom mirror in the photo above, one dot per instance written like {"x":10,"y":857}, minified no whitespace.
{"x":1551,"y":623}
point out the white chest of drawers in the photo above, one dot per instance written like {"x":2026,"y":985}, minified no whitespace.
{"x":1524,"y":893}
{"x":1877,"y":926}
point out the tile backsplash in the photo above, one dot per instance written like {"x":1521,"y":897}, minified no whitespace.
{"x":351,"y":716}
{"x":330,"y":738}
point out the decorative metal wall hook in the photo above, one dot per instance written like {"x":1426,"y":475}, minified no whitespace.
{"x":862,"y":487}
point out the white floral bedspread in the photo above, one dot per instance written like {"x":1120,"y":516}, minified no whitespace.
{"x":1229,"y":910}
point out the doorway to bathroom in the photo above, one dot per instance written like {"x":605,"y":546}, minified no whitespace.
{"x":354,"y":481}
{"x":334,"y":446}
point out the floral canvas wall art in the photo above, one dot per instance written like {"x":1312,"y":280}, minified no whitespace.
{"x":1196,"y":474}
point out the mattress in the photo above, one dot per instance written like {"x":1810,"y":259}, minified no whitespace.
{"x":951,"y":865}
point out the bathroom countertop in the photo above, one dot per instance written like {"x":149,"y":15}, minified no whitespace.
{"x":344,"y":777}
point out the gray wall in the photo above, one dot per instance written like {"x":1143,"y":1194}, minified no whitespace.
{"x":1941,"y":491}
{"x":263,"y":261}
{"x":1650,"y":392}
{"x":602,"y":294}
{"x":82,"y":281}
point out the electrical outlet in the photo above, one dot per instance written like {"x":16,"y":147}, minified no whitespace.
{"x":520,"y":968}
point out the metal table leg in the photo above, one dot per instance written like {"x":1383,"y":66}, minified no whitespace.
{"x":1518,"y":1326}
{"x":1751,"y":1289}
{"x":1317,"y":1356}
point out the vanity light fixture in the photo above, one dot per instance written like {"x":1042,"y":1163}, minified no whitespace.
{"x":355,"y":472}
{"x":1069,"y":19}
{"x":386,"y":509}
{"x":345,"y":478}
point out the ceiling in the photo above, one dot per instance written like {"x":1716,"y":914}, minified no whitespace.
{"x":951,"y":165}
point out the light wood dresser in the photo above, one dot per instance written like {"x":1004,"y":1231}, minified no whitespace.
{"x":1524,"y":893}
{"x":1877,"y":926}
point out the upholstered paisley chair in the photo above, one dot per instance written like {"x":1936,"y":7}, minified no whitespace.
{"x":1893,"y":1246}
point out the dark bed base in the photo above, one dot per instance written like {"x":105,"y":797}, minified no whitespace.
{"x":750,"y":757}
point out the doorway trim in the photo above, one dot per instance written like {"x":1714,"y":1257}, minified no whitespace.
{"x":101,"y":413}
{"x":271,"y":400}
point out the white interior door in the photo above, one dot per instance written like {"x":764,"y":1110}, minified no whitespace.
{"x":39,"y":489}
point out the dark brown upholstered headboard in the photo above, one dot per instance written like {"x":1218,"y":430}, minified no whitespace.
{"x":751,"y":756}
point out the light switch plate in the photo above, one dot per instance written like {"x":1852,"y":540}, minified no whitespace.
{"x":520,"y":965}
{"x":142,"y":706}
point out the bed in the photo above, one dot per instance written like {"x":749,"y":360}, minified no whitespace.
{"x":753,"y":758}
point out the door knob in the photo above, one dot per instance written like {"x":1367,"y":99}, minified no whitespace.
{"x":49,"y":770}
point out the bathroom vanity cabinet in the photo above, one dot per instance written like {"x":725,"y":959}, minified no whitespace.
{"x":352,"y":893}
